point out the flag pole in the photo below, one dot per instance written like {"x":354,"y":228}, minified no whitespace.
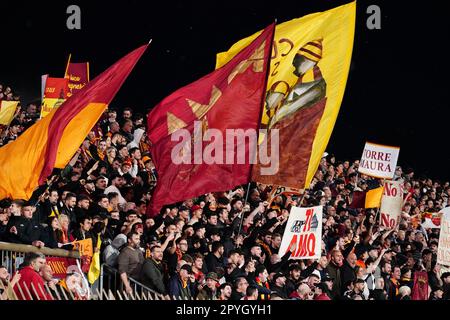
{"x":67,"y":66}
{"x":242,"y":218}
{"x":266,"y":80}
{"x":378,"y":211}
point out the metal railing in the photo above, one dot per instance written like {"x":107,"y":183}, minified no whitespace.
{"x":110,"y":282}
{"x":12,"y":254}
{"x":108,"y":287}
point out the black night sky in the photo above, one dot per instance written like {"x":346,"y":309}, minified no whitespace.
{"x":396,"y":92}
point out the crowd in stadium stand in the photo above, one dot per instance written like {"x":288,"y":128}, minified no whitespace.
{"x":219,"y":246}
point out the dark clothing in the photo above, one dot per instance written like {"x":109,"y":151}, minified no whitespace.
{"x":347,"y":274}
{"x":27,"y":230}
{"x":152,"y":276}
{"x":177,"y":289}
{"x":82,"y":235}
{"x":263,"y":289}
{"x":281,"y":291}
{"x":73,"y":223}
{"x":335,"y":273}
{"x":281,"y":266}
{"x":237,"y":295}
{"x":212,"y":262}
{"x":45,"y":209}
{"x":49,"y":237}
{"x":291,"y":285}
{"x":393,"y":289}
{"x":130,"y":261}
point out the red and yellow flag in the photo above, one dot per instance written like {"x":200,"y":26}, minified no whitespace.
{"x":55,"y":93}
{"x":228,"y":98}
{"x":51,"y":142}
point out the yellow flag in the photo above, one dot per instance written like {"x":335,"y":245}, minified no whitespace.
{"x":310,"y":61}
{"x":373,"y":198}
{"x":7,"y":110}
{"x":94,"y":268}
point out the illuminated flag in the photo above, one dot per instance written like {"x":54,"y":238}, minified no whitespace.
{"x":308,"y":73}
{"x":230,"y":98}
{"x":51,"y":142}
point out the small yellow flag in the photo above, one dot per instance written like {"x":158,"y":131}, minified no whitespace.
{"x":373,"y":197}
{"x":94,"y":268}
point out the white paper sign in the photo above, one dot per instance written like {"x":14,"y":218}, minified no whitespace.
{"x":443,"y":252}
{"x":391,"y":204}
{"x":303,"y":233}
{"x":379,"y":161}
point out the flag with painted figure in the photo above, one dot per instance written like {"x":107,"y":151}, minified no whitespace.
{"x":303,"y":233}
{"x":310,"y":62}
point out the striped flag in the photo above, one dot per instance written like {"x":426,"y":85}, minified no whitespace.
{"x":51,"y":142}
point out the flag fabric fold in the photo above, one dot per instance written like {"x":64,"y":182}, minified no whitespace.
{"x":367,"y":199}
{"x":51,"y":142}
{"x":7,"y":111}
{"x":228,"y":98}
{"x":308,"y":73}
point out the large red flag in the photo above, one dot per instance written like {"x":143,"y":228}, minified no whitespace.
{"x":228,"y":98}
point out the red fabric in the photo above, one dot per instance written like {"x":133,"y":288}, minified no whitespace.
{"x":101,"y":90}
{"x":420,"y":287}
{"x":238,"y":107}
{"x":28,"y":277}
{"x":358,"y":200}
{"x":322,"y":296}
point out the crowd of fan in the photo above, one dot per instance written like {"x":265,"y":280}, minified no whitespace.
{"x":220,"y":246}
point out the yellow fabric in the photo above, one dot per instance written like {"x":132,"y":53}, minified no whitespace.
{"x":84,"y":247}
{"x":7,"y":110}
{"x":335,"y":30}
{"x":77,"y":130}
{"x":94,"y":268}
{"x":48,"y":104}
{"x":21,"y":161}
{"x":373,"y":198}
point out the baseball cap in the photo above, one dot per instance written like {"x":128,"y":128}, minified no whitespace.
{"x":278,"y":275}
{"x":327,"y":277}
{"x":145,"y":159}
{"x":195,"y":207}
{"x":213,"y":276}
{"x":188,"y":268}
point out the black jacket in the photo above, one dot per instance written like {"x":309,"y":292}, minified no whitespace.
{"x":27,"y":230}
{"x":281,"y":291}
{"x":212,"y":262}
